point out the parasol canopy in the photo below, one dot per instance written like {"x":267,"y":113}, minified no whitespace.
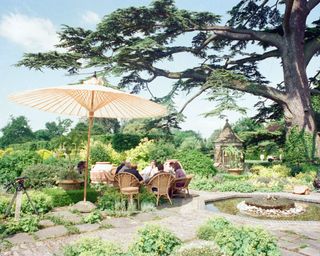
{"x":89,"y":99}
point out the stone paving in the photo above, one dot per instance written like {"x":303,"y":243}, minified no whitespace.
{"x":295,"y":238}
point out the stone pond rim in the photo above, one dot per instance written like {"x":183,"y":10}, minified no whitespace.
{"x":270,"y":203}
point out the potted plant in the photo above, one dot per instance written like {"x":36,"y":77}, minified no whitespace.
{"x":70,"y":179}
{"x":235,"y":164}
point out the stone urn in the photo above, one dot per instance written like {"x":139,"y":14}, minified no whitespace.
{"x":101,"y":172}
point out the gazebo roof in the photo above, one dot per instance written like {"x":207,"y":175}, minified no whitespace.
{"x":227,"y":136}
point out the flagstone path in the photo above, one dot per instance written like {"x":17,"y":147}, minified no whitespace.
{"x":295,"y":238}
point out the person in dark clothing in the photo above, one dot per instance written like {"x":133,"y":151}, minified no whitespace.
{"x":124,"y":166}
{"x":81,"y":166}
{"x":133,"y":170}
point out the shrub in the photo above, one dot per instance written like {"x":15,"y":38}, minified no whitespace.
{"x":240,"y":241}
{"x":12,"y":165}
{"x":147,"y":197}
{"x":109,"y":199}
{"x":69,"y":174}
{"x":45,"y":154}
{"x":24,"y":224}
{"x":154,"y":239}
{"x":42,"y":202}
{"x":122,"y":142}
{"x":298,"y":146}
{"x":99,"y":153}
{"x":236,"y":186}
{"x":194,"y":161}
{"x":93,"y":217}
{"x":42,"y":175}
{"x":161,"y":151}
{"x":202,"y":183}
{"x":93,"y":247}
{"x":140,"y":154}
{"x":61,"y":197}
{"x":4,"y":203}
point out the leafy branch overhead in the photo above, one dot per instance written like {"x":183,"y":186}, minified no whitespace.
{"x":133,"y":43}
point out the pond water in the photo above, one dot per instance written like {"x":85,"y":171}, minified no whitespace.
{"x":229,"y":206}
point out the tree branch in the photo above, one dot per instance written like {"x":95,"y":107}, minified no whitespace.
{"x":189,"y":73}
{"x":244,"y":34}
{"x":258,"y":90}
{"x":203,"y":89}
{"x":287,"y":15}
{"x":312,"y":4}
{"x":255,"y":57}
{"x":315,"y":92}
{"x":311,"y":48}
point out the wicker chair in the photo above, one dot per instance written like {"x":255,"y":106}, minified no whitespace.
{"x":129,"y":185}
{"x":177,"y":190}
{"x":160,"y":185}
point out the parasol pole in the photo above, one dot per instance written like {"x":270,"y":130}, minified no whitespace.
{"x":91,"y":117}
{"x":88,"y":156}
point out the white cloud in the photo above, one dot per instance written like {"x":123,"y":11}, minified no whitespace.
{"x":90,"y":17}
{"x":33,"y":34}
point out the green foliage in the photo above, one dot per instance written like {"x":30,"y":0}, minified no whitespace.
{"x":69,"y":174}
{"x":298,"y":146}
{"x":61,"y":197}
{"x":154,"y":239}
{"x":42,"y":202}
{"x":140,"y":154}
{"x":240,"y":241}
{"x":16,"y":131}
{"x":194,"y":161}
{"x":92,"y":247}
{"x":24,"y":224}
{"x":202,"y":183}
{"x":109,"y":199}
{"x":236,"y":186}
{"x":93,"y":217}
{"x":122,"y":142}
{"x":180,"y":136}
{"x":147,"y":197}
{"x":246,"y":124}
{"x":99,"y":153}
{"x":42,"y":175}
{"x":12,"y":165}
{"x":161,"y":151}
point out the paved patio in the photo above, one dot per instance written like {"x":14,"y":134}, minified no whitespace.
{"x":294,"y":237}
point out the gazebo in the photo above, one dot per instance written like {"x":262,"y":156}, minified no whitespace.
{"x":228,"y":151}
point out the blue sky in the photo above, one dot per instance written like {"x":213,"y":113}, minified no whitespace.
{"x":30,"y":26}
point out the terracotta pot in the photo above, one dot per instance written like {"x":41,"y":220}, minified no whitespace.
{"x":235,"y":171}
{"x":70,"y":184}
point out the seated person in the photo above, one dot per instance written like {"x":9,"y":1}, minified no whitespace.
{"x":133,"y":170}
{"x":160,"y":169}
{"x":179,"y":173}
{"x":124,"y":166}
{"x":150,"y":170}
{"x":81,"y":166}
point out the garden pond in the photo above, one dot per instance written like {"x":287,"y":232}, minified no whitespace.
{"x":312,"y":212}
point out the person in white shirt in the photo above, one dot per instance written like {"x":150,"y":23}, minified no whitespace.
{"x":149,"y":171}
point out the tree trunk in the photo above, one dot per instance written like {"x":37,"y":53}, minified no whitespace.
{"x":297,"y":107}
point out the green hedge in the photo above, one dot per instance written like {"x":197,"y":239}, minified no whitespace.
{"x":194,"y":161}
{"x":62,"y":197}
